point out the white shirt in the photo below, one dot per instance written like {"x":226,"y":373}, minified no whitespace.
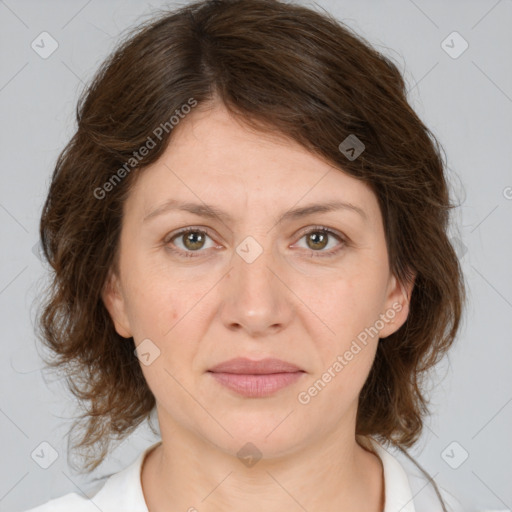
{"x":406,"y":490}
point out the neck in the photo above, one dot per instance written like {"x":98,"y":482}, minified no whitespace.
{"x":186,"y":473}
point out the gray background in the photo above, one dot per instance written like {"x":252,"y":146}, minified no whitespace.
{"x":466,"y":101}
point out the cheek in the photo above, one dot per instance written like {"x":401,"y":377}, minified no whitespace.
{"x":156,"y":299}
{"x":349,"y":309}
{"x":348,"y":305}
{"x":162,"y":315}
{"x":170,"y":315}
{"x":152,"y":311}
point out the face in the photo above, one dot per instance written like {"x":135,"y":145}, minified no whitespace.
{"x":311,"y":288}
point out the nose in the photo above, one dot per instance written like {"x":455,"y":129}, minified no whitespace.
{"x":256,"y":297}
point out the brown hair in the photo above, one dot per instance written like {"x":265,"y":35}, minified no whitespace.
{"x":284,"y":69}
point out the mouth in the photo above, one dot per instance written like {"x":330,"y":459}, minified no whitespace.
{"x":244,"y":365}
{"x":256,"y":379}
{"x":256,"y":386}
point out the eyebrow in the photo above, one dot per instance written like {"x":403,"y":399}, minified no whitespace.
{"x":213,"y":212}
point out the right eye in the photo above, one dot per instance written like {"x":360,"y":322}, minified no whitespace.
{"x":192,"y":240}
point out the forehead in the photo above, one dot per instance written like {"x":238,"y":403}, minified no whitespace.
{"x":213,"y":158}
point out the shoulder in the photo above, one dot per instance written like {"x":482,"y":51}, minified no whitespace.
{"x":407,"y":487}
{"x":118,"y":491}
{"x":71,"y":501}
{"x":423,"y":488}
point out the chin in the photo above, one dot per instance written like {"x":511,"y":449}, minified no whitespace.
{"x":273,"y":438}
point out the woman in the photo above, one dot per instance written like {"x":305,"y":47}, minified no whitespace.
{"x":248,"y":233}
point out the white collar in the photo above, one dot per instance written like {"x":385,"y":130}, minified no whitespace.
{"x":398,"y":496}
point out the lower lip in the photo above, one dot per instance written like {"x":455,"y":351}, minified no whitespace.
{"x":256,"y":386}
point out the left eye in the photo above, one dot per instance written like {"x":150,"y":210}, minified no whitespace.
{"x":317,"y":239}
{"x":193,"y":240}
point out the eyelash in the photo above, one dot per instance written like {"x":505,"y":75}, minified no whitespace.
{"x":314,"y":229}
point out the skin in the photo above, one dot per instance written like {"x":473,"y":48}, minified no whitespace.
{"x":288,"y":304}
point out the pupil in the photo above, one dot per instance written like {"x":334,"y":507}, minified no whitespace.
{"x":194,"y":238}
{"x":319,"y":235}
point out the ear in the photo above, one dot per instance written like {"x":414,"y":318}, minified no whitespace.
{"x":116,"y":305}
{"x":396,"y":306}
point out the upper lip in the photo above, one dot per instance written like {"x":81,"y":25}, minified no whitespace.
{"x":249,"y":366}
